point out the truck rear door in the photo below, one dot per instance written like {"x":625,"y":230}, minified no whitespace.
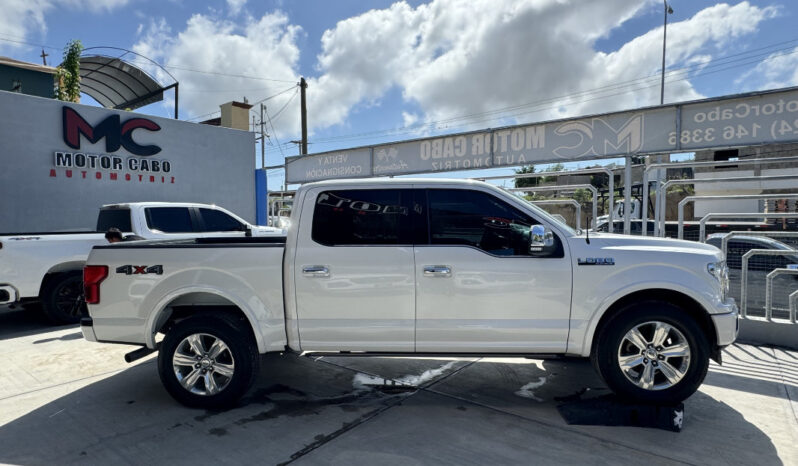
{"x":354,"y":270}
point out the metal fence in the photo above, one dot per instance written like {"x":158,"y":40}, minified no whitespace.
{"x":566,"y":188}
{"x":761,"y":277}
{"x":573,"y":202}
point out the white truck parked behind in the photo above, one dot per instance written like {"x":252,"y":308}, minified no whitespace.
{"x":47,"y":268}
{"x":402,"y":266}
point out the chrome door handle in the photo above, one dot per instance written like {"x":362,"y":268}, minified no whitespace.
{"x":437,"y":271}
{"x":316,"y":271}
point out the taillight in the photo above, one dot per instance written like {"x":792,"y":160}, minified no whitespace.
{"x":93,"y":275}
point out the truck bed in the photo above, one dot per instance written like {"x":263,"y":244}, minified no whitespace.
{"x":145,"y":278}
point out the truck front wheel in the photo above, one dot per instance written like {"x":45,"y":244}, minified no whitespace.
{"x":652,"y":352}
{"x":208,"y":361}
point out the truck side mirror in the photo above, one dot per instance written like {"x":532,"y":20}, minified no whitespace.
{"x":540,"y":239}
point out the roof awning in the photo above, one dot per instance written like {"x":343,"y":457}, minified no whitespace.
{"x":114,"y":83}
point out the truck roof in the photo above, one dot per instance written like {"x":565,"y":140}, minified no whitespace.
{"x":156,"y":204}
{"x":382,"y":180}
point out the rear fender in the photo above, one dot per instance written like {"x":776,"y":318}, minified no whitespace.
{"x":162,"y":313}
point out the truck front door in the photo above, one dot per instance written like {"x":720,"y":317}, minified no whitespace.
{"x":354,"y":271}
{"x":480,"y":289}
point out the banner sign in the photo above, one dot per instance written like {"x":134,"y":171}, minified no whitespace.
{"x":740,"y":120}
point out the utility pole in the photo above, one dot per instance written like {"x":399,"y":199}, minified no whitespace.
{"x":302,"y":86}
{"x":44,"y":57}
{"x":262,"y":138}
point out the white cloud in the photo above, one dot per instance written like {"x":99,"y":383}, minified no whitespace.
{"x":261,"y":48}
{"x":22,"y":19}
{"x":93,"y":5}
{"x":449,"y":58}
{"x":409,"y":119}
{"x":19,"y":18}
{"x":463,"y":57}
{"x":778,"y":70}
{"x":235,"y":6}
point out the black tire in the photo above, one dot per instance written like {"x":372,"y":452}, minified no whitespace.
{"x":608,"y":351}
{"x":61,"y":298}
{"x":242,"y":352}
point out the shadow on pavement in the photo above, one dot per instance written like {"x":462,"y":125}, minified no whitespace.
{"x":299,"y":406}
{"x":22,"y":322}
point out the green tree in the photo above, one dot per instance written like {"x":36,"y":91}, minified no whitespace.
{"x":67,"y":85}
{"x":526,"y":182}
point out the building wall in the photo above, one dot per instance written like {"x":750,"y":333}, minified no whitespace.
{"x":746,"y":187}
{"x":33,"y":82}
{"x":38,"y":192}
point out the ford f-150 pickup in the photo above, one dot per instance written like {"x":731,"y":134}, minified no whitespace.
{"x":413,"y":267}
{"x":46,"y":268}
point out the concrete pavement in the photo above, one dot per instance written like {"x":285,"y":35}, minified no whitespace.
{"x":65,"y":400}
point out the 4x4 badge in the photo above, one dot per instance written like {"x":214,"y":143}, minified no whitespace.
{"x":140,"y":269}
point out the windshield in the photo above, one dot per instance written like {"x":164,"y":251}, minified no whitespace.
{"x":550,"y":218}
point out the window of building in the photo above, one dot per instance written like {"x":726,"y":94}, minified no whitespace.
{"x":169,"y":219}
{"x":724,"y":155}
{"x":362,"y":217}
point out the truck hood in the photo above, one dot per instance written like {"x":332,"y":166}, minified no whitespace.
{"x":610,"y":243}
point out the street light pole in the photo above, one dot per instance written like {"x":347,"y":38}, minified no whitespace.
{"x":668,"y":10}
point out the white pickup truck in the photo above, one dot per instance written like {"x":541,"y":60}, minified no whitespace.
{"x":413,"y":267}
{"x":47,"y":268}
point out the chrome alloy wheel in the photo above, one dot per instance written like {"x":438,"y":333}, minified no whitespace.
{"x":654,"y":355}
{"x":203,"y":364}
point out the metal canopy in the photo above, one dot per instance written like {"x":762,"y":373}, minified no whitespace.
{"x":117,"y":84}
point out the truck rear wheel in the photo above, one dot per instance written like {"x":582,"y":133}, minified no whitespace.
{"x":208,"y":361}
{"x":61,"y":298}
{"x":652,"y":352}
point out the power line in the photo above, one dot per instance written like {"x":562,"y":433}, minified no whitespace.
{"x":21,"y":40}
{"x":650,"y":80}
{"x":203,"y":115}
{"x":537,"y":106}
{"x":275,"y":134}
{"x":262,"y":100}
{"x":258,"y":78}
{"x":276,"y":115}
{"x":273,"y":96}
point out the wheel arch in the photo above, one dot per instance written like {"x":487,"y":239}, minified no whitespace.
{"x":195,"y":301}
{"x":64,"y":267}
{"x":690,"y":305}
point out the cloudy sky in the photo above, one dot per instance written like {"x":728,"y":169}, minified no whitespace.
{"x":384,"y":71}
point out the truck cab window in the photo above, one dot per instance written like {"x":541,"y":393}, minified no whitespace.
{"x":475,"y":218}
{"x":169,"y":219}
{"x":216,"y":220}
{"x":362,"y":217}
{"x":114,"y":218}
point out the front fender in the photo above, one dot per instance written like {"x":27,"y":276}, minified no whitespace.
{"x":595,"y":295}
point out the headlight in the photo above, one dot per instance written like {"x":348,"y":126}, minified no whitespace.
{"x":720,"y":271}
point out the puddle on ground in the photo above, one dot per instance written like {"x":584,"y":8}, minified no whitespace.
{"x":283,"y":400}
{"x":527,"y":390}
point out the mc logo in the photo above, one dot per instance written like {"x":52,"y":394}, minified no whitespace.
{"x":116,"y":133}
{"x":596,"y":137}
